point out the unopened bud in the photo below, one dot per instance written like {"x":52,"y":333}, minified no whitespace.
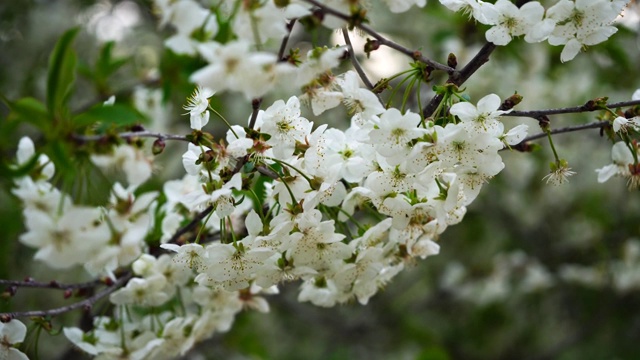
{"x":371,"y":45}
{"x":158,"y":146}
{"x":510,"y":102}
{"x":5,"y":318}
{"x":82,"y":292}
{"x":596,"y":104}
{"x":68,"y":293}
{"x":452,"y":61}
{"x":544,"y":122}
{"x":137,"y":128}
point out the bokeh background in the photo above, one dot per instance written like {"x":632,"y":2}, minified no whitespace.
{"x":533,"y":272}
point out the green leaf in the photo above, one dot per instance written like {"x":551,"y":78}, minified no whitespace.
{"x":18,"y":171}
{"x":29,"y":110}
{"x":106,"y":64}
{"x":61,"y":77}
{"x":106,"y":116}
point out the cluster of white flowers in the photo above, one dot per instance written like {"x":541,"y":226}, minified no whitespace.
{"x":415,"y":177}
{"x":418,"y":176}
{"x":235,"y":65}
{"x":624,"y":153}
{"x":66,"y":234}
{"x":574,"y":24}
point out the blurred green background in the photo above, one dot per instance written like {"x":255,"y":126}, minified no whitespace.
{"x":533,"y":272}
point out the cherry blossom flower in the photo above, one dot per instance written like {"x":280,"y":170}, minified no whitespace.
{"x":197,"y":106}
{"x":12,"y":332}
{"x":509,"y":21}
{"x":285,"y":125}
{"x":139,"y":291}
{"x":582,"y":22}
{"x":482,"y":117}
{"x":623,"y":163}
{"x":188,"y":17}
{"x":621,"y":124}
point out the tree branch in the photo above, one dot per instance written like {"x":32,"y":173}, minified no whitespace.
{"x":285,"y":40}
{"x":201,"y":215}
{"x":414,"y":54}
{"x":569,"y":110}
{"x":255,"y":109}
{"x":354,"y":61}
{"x":459,"y":77}
{"x":129,"y":134}
{"x":51,"y":285}
{"x":87,"y":303}
{"x":522,"y":146}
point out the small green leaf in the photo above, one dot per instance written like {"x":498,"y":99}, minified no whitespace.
{"x":29,"y":110}
{"x":61,"y":77}
{"x":106,"y":65}
{"x":18,"y":171}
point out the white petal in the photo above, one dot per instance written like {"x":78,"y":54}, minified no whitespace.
{"x":498,"y":35}
{"x":571,"y":49}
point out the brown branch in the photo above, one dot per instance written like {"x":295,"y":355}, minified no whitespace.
{"x":85,"y":304}
{"x":51,"y":285}
{"x":201,"y":215}
{"x":354,"y":61}
{"x":588,"y":107}
{"x":285,"y":40}
{"x":129,"y":134}
{"x":522,"y":146}
{"x":255,"y":106}
{"x":414,"y":54}
{"x":459,"y":77}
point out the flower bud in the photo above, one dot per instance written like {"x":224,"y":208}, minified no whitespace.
{"x":137,"y":128}
{"x":544,"y":122}
{"x":596,"y":104}
{"x":371,"y":45}
{"x":158,"y":146}
{"x":510,"y":102}
{"x":452,"y":61}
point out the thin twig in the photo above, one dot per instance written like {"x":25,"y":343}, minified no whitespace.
{"x":522,"y":146}
{"x":354,"y":61}
{"x":190,"y":225}
{"x":414,"y":54}
{"x":255,"y":105}
{"x":593,"y":125}
{"x":569,"y":110}
{"x":51,"y":285}
{"x":285,"y":40}
{"x":130,"y":134}
{"x":87,"y":303}
{"x":459,"y":77}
